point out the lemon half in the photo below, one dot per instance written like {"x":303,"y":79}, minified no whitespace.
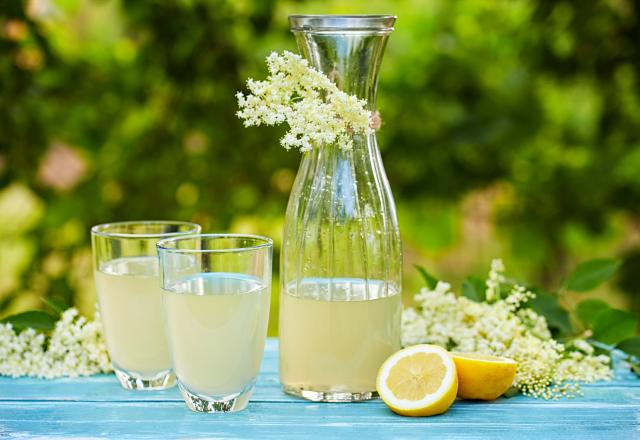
{"x":418,"y":381}
{"x":483,"y":377}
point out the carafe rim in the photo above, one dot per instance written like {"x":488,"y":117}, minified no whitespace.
{"x":317,"y":23}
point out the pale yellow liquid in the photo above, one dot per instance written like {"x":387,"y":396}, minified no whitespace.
{"x":217,"y":328}
{"x":130,"y":301}
{"x":337,"y":345}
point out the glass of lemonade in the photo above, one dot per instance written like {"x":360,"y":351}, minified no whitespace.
{"x":127,"y":280}
{"x":216,"y":302}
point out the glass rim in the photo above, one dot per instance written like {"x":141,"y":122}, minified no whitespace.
{"x":341,"y":23}
{"x":101,"y":230}
{"x":265,"y":242}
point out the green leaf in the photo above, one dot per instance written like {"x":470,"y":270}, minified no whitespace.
{"x":587,"y":310}
{"x":590,"y":274}
{"x":35,"y":319}
{"x":631,"y":346}
{"x":431,"y":281}
{"x":58,"y":306}
{"x":548,"y":306}
{"x":474,"y":289}
{"x":612,"y":326}
{"x":635,"y":367}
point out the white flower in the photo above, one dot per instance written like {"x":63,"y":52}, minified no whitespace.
{"x":583,"y":345}
{"x":502,"y":327}
{"x":316,"y":111}
{"x":518,"y":296}
{"x":496,"y":277}
{"x":74,"y":348}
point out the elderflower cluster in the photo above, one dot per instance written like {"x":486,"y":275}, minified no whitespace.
{"x":501,"y":327}
{"x":74,"y":348}
{"x":494,"y":279}
{"x":316,"y":111}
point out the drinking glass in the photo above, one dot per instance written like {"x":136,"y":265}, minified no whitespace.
{"x":126,"y":271}
{"x":216,"y":303}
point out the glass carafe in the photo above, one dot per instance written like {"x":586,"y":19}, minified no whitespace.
{"x":341,"y":258}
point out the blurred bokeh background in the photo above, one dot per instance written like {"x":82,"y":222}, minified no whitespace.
{"x":511,"y":129}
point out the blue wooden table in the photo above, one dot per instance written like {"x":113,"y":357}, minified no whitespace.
{"x":96,"y":407}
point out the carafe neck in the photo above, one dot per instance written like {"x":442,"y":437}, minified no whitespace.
{"x":348,"y":49}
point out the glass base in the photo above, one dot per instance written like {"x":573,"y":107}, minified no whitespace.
{"x":131,"y":381}
{"x":199,"y":403}
{"x":329,"y":396}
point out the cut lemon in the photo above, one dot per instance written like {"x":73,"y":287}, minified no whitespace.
{"x":418,"y":381}
{"x":483,"y":377}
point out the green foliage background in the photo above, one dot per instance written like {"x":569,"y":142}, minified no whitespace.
{"x":511,"y":128}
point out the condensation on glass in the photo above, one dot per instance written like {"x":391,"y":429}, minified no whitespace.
{"x":341,"y":254}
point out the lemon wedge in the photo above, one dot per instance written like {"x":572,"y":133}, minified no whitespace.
{"x":418,"y":381}
{"x":483,"y":377}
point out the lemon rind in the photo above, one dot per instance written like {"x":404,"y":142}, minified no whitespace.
{"x":497,"y":360}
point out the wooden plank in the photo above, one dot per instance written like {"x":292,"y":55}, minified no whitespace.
{"x":99,"y":407}
{"x":106,"y":389}
{"x":272,"y":420}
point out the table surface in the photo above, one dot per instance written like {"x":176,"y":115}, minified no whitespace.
{"x":96,"y":407}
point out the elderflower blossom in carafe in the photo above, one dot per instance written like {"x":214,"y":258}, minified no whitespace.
{"x":340,"y":301}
